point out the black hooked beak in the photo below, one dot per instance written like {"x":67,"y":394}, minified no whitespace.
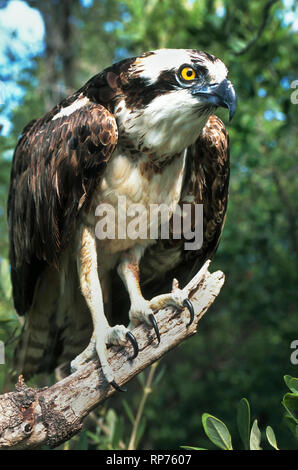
{"x":219,"y":94}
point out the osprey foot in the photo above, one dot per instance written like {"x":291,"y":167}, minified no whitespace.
{"x":119,"y":335}
{"x":116,"y":335}
{"x":140,"y":312}
{"x":175,"y":300}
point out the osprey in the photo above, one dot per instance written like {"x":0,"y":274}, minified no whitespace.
{"x":143,"y":130}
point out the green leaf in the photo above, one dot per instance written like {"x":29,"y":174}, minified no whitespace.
{"x":128,"y":411}
{"x":290,"y":402}
{"x":159,"y":376}
{"x":111,"y":420}
{"x":290,"y":423}
{"x":217,"y":432}
{"x":95,"y":438}
{"x":140,"y":431}
{"x":255,"y":437}
{"x":192,"y":448}
{"x":236,"y":44}
{"x":118,"y":433}
{"x":271,"y":437}
{"x":292,"y":383}
{"x":83,"y":441}
{"x":141,"y":379}
{"x":243,"y":421}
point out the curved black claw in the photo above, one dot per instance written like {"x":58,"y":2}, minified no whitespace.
{"x":134,"y":343}
{"x":116,"y":387}
{"x":154,"y":324}
{"x":187,"y":303}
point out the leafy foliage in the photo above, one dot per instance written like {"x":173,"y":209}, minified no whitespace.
{"x":218,"y":433}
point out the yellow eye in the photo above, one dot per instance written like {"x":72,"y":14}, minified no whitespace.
{"x":187,"y":73}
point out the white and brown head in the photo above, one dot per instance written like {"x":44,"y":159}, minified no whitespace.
{"x":167,"y":96}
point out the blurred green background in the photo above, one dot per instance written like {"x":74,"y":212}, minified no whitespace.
{"x":48,"y":49}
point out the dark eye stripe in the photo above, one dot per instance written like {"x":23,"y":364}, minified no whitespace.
{"x":202,"y":68}
{"x":139,"y":93}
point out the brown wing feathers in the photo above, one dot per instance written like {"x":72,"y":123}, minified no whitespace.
{"x":55,"y":167}
{"x":211,"y":176}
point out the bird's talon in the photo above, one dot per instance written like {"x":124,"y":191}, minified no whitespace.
{"x":154,"y":324}
{"x":130,"y":337}
{"x":187,"y":303}
{"x":117,"y":387}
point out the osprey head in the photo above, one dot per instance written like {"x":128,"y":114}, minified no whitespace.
{"x":169,"y":95}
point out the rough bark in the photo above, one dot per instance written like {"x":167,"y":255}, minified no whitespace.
{"x":30,"y":417}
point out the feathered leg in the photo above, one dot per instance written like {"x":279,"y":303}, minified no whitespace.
{"x":142,"y":310}
{"x":103,"y":334}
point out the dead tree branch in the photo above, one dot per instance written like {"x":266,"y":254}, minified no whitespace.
{"x":30,"y":417}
